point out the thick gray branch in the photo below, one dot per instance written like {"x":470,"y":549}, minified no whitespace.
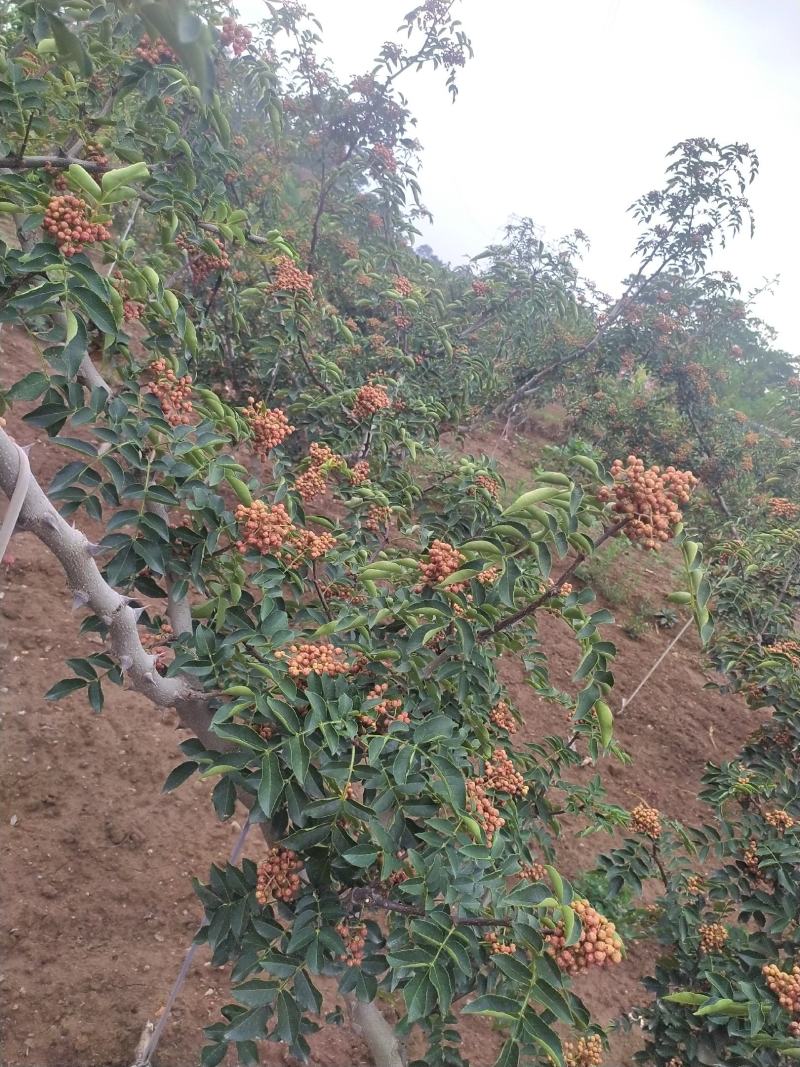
{"x":377,"y":1033}
{"x":73,"y":551}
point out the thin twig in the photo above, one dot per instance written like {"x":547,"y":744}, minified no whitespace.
{"x":180,"y":979}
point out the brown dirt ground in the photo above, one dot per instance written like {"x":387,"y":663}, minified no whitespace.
{"x":97,"y":906}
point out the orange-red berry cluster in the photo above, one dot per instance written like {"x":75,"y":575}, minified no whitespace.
{"x":443,"y":560}
{"x":599,"y":944}
{"x":377,"y":518}
{"x":387,"y":709}
{"x":355,"y":940}
{"x":402,"y":285}
{"x":488,"y":576}
{"x":289,"y":278}
{"x":533,"y":872}
{"x":713,"y":937}
{"x":585,"y":1052}
{"x":480,"y":288}
{"x":646,"y":820}
{"x":269,"y":426}
{"x":201,"y":263}
{"x":359,"y":472}
{"x":324,"y":658}
{"x":237,"y":36}
{"x":492,"y":487}
{"x":277,"y":876}
{"x":312,"y":481}
{"x":66,"y":222}
{"x":312,"y":545}
{"x":264,"y":527}
{"x":790,"y":649}
{"x":694,"y":885}
{"x":497,"y":944}
{"x":370,"y":399}
{"x":154,"y":52}
{"x":95,"y":152}
{"x":173,"y":393}
{"x":648,"y":499}
{"x":501,"y":775}
{"x":383,"y":158}
{"x":502,"y":716}
{"x":750,"y":858}
{"x":485,"y":812}
{"x":779,"y":820}
{"x":784,"y":985}
{"x":781,"y":508}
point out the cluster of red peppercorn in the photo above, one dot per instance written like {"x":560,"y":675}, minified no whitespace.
{"x":378,"y":518}
{"x":646,"y":820}
{"x":402,"y":322}
{"x":492,"y":487}
{"x":488,"y":576}
{"x":355,"y":940}
{"x":501,"y":775}
{"x":66,"y":221}
{"x":236,"y":36}
{"x":502,"y":716}
{"x":277,"y":876}
{"x":443,"y":560}
{"x":694,"y":885}
{"x":781,"y":508}
{"x":324,"y":658}
{"x":713,"y":937}
{"x":533,"y":872}
{"x":485,"y":812}
{"x":599,"y":944}
{"x":95,"y":152}
{"x":173,"y":393}
{"x":750,"y":858}
{"x":359,"y":472}
{"x":311,"y":545}
{"x":386,"y":711}
{"x":788,"y":649}
{"x":370,"y":399}
{"x":201,"y":263}
{"x":289,"y":278}
{"x":383,"y":158}
{"x":312,"y":481}
{"x":402,"y":285}
{"x":648,"y":499}
{"x":154,"y":52}
{"x":269,"y":426}
{"x":480,"y":288}
{"x":131,"y":309}
{"x":779,"y":820}
{"x":497,"y":944}
{"x":784,"y":985}
{"x":585,"y":1052}
{"x":264,"y":527}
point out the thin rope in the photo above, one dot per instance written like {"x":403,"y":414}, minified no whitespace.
{"x":16,"y":501}
{"x":627,"y":700}
{"x":151,"y":1046}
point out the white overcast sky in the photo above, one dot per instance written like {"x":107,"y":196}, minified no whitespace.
{"x":569,"y":106}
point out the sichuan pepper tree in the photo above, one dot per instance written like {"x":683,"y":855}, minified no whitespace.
{"x":325,"y":624}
